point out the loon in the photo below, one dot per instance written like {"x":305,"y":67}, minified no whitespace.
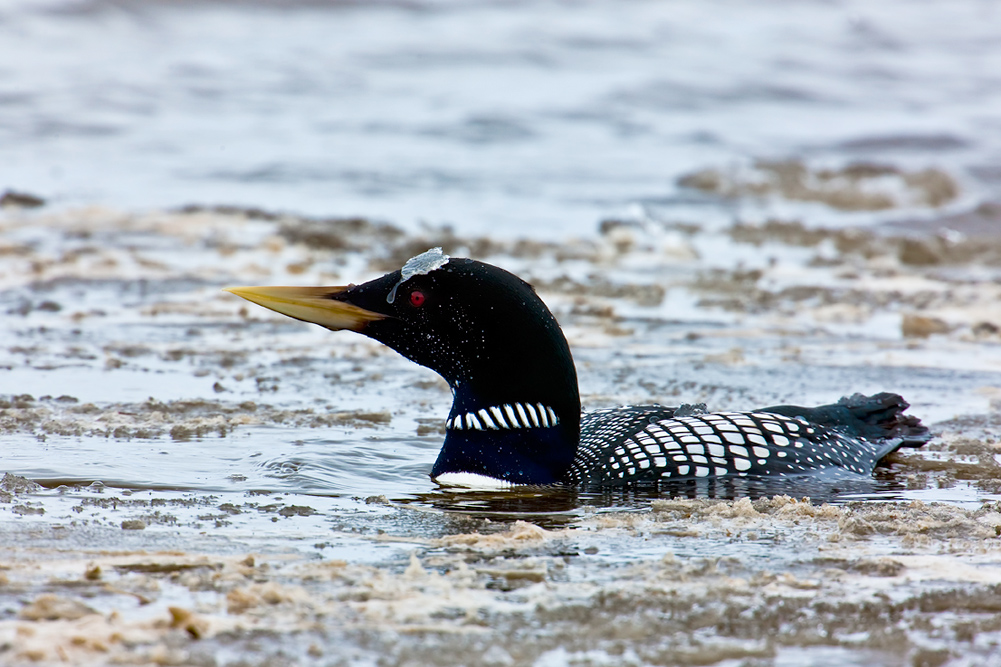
{"x":516,"y":413}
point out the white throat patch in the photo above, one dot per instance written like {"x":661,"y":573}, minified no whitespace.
{"x":421,"y":265}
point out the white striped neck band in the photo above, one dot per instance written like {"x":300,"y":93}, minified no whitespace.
{"x":507,"y":416}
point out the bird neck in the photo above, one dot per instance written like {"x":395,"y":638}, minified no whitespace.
{"x":528,"y":437}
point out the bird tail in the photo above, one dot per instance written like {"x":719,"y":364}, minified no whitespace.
{"x":885,"y":412}
{"x":878,"y":418}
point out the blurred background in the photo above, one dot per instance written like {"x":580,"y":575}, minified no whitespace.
{"x":538,"y":118}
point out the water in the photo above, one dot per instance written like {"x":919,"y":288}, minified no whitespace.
{"x":538,"y":118}
{"x":165,"y":382}
{"x":533,"y":121}
{"x":223,"y":486}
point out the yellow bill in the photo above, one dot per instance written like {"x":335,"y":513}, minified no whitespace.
{"x":310,"y":304}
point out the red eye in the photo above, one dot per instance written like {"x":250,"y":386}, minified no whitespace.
{"x":417,"y":299}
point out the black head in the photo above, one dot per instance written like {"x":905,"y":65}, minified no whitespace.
{"x":494,"y":341}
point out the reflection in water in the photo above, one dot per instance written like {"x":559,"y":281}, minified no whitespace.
{"x":823,"y":486}
{"x":556,"y":507}
{"x":550,"y":508}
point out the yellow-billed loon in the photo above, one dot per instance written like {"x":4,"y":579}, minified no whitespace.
{"x":516,"y":416}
